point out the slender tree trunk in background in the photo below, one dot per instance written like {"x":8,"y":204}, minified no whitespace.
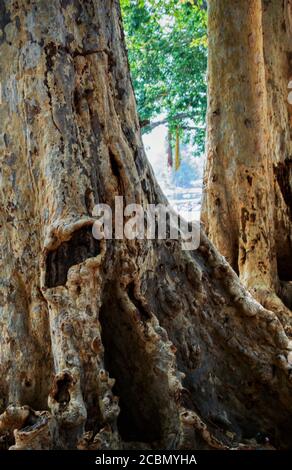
{"x":247,"y":203}
{"x":194,"y":361}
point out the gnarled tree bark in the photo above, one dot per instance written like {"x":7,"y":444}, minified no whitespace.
{"x":118,"y":343}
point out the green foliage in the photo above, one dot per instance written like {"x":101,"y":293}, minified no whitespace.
{"x":167,"y":45}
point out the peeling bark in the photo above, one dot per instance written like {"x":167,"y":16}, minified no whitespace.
{"x":124,"y":344}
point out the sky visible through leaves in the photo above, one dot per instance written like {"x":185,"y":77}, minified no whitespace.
{"x":167,"y":47}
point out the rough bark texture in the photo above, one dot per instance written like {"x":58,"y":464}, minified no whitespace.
{"x":117,"y":344}
{"x":248,"y":197}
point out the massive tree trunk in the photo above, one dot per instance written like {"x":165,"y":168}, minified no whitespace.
{"x":247,"y":203}
{"x":117,"y":343}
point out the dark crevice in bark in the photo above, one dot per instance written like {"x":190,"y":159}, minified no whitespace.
{"x":50,"y":52}
{"x":289,"y":60}
{"x":89,"y":200}
{"x":126,"y":361}
{"x":81,"y":246}
{"x":115,"y":167}
{"x":61,"y":393}
{"x":285,"y":293}
{"x":283,"y":173}
{"x":6,"y":440}
{"x":5,"y":19}
{"x":141,"y":309}
{"x":285,"y":267}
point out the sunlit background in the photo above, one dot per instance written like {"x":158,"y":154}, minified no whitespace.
{"x":167,"y":49}
{"x":182,"y":186}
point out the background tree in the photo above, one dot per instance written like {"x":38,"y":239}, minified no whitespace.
{"x":194,"y":360}
{"x":167,"y":46}
{"x":247,"y":203}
